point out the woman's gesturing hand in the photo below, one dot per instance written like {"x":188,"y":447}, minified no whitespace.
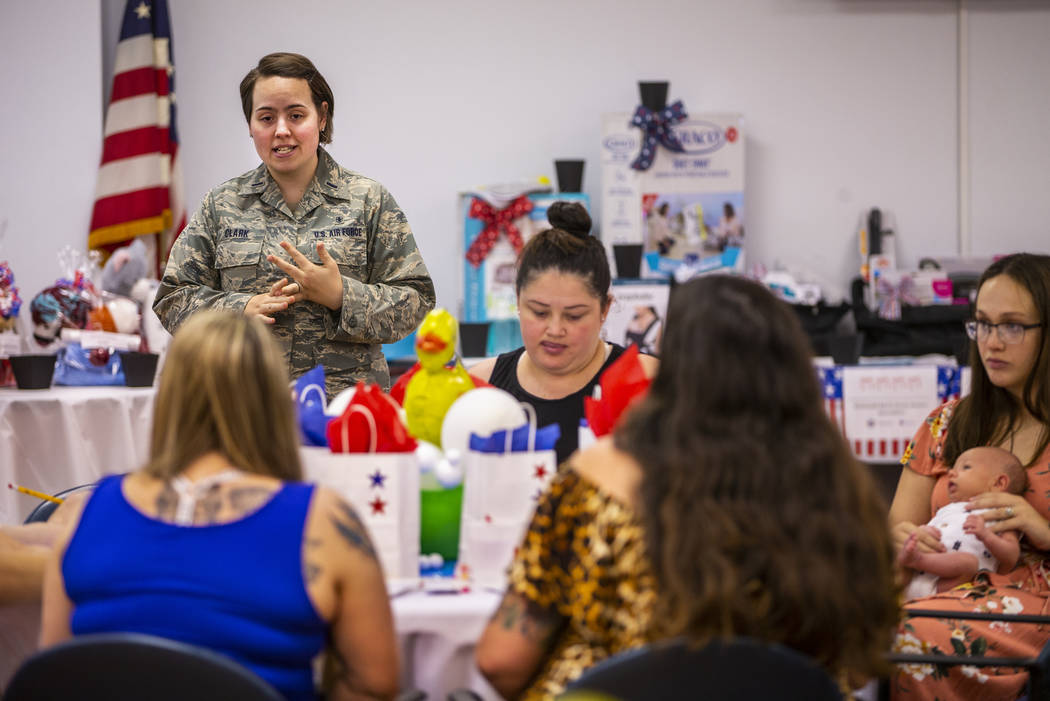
{"x":264,"y":306}
{"x":318,"y":283}
{"x":1010,"y":512}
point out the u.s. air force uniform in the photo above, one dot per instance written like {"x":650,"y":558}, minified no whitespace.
{"x":219,"y":262}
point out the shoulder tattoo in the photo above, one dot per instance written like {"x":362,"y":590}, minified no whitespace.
{"x":352,"y":529}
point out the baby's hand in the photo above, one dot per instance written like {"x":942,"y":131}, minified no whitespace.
{"x":910,"y":552}
{"x":974,"y":525}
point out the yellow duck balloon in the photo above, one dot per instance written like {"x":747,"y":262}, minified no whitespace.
{"x":433,"y":388}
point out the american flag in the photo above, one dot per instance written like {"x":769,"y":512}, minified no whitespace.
{"x":831,"y":382}
{"x":139,"y":188}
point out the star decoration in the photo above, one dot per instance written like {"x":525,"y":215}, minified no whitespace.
{"x":378,"y":506}
{"x":142,"y":11}
{"x":541,"y":471}
{"x":378,"y":478}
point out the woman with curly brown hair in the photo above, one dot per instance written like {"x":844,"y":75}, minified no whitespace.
{"x":725,"y":505}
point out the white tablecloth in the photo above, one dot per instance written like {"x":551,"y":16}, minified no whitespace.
{"x":437,"y":634}
{"x":57,"y":438}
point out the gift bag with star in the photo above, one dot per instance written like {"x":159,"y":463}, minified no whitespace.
{"x":383,"y":487}
{"x":503,"y":476}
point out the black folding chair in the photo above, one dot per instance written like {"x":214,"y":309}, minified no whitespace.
{"x":131,"y":667}
{"x":1038,"y":667}
{"x":729,"y":670}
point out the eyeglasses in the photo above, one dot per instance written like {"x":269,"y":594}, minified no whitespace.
{"x":1010,"y":332}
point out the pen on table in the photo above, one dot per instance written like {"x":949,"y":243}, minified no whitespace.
{"x":34,"y":493}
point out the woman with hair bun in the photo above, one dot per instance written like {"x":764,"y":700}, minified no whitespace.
{"x":563,"y":298}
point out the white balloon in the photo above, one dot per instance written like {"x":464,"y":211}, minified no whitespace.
{"x":340,"y":402}
{"x":483,"y":411}
{"x":428,"y":455}
{"x":449,"y":470}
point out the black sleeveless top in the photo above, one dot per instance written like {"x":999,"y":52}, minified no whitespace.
{"x":566,"y":412}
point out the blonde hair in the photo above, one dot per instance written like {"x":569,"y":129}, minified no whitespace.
{"x":224,"y":388}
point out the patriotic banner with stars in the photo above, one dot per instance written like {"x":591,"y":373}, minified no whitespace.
{"x":383,"y":488}
{"x":139,"y":187}
{"x":885,"y":406}
{"x":831,"y":383}
{"x":879,"y":408}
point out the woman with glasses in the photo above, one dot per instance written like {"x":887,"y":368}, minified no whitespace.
{"x":1008,"y":406}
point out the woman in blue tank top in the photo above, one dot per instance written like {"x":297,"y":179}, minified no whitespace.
{"x":216,"y":542}
{"x":562,"y":285}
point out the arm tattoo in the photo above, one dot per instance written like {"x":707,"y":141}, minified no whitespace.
{"x":535,"y":624}
{"x":311,"y":570}
{"x":352,"y":529}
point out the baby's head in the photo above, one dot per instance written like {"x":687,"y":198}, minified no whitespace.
{"x":985,"y":469}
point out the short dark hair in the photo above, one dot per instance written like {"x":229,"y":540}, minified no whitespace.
{"x":288,"y":65}
{"x":567,"y":247}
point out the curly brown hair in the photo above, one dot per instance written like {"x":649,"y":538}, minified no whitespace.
{"x":759,"y":522}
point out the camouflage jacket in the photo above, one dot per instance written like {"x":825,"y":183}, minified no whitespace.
{"x":219,"y":262}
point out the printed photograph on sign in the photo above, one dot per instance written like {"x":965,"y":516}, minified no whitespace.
{"x":701,"y":224}
{"x":637,"y":315}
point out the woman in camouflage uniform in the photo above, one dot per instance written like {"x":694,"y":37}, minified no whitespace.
{"x":321,"y":253}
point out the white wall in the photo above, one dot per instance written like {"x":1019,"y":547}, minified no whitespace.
{"x":848,"y":104}
{"x":50,"y":53}
{"x":1009,"y":108}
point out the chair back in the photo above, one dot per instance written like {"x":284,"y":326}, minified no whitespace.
{"x":45,"y":508}
{"x":127,"y":666}
{"x":740,"y":668}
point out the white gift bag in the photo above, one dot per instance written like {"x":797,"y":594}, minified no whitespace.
{"x":499,"y":496}
{"x":384,"y":490}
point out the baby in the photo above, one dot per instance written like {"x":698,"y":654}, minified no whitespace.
{"x":971,"y":545}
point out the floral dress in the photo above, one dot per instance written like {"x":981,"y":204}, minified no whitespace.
{"x":1025,"y":589}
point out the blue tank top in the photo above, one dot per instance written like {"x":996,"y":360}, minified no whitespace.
{"x":236,"y":588}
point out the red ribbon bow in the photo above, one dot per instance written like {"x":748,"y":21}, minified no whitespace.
{"x":495,"y":220}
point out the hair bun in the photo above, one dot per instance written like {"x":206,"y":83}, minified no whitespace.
{"x":571,"y":217}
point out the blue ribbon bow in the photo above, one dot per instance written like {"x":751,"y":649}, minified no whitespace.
{"x":656,"y":127}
